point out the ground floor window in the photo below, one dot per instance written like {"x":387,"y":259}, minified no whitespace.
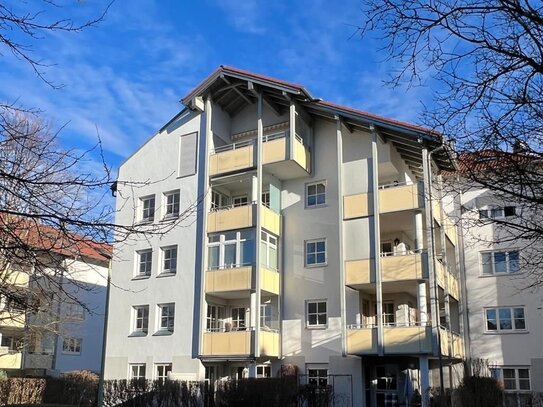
{"x":516,"y":384}
{"x":263,"y":371}
{"x":317,"y":376}
{"x":137,"y":371}
{"x":162,"y":370}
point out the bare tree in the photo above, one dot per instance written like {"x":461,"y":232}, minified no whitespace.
{"x":483,"y":61}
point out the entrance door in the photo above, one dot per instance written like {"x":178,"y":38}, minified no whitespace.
{"x":385,"y":384}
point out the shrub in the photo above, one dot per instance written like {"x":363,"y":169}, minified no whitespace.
{"x":477,"y":391}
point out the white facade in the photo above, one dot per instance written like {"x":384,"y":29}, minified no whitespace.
{"x":291,"y":258}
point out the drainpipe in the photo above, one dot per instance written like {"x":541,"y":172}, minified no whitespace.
{"x":428,"y":170}
{"x":104,"y":339}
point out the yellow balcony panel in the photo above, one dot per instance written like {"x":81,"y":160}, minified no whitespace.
{"x":454,"y":286}
{"x":11,"y":361}
{"x":13,"y":319}
{"x":436,"y":211}
{"x":231,"y":279}
{"x":444,"y":341}
{"x":400,"y":198}
{"x":301,"y":155}
{"x":269,"y":280}
{"x":269,"y":343}
{"x":235,"y":343}
{"x":357,"y":272}
{"x":441,"y":274}
{"x":356,"y":206}
{"x":408,"y":339}
{"x":274,"y":150}
{"x":230,"y":218}
{"x":362,"y":341}
{"x":15,"y":278}
{"x":271,"y":220}
{"x":450,"y":230}
{"x":458,"y":346}
{"x":235,"y":159}
{"x":408,"y":267}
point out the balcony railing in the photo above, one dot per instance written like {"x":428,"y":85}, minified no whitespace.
{"x":232,"y":217}
{"x":235,"y":277}
{"x":239,"y":343}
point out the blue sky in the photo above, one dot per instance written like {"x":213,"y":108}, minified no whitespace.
{"x":126,"y":76}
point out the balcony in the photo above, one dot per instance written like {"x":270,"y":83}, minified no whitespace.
{"x":397,"y":340}
{"x":241,"y":217}
{"x":275,"y":157}
{"x":12,"y":319}
{"x":234,"y":343}
{"x":236,"y":279}
{"x":446,"y":279}
{"x":269,"y":343}
{"x":392,"y":198}
{"x":393,"y":268}
{"x":11,"y":360}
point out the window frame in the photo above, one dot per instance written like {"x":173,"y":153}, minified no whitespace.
{"x":498,"y":329}
{"x":167,"y":205}
{"x":316,"y":194}
{"x":239,"y":323}
{"x":139,"y":253}
{"x":164,"y":259}
{"x":151,"y":210}
{"x":164,"y":376}
{"x":318,"y":377}
{"x":74,"y":346}
{"x":144,"y":330}
{"x":243,"y":197}
{"x":214,"y":317}
{"x":139,"y":366}
{"x":497,"y":373}
{"x":308,"y":325}
{"x":74,"y":311}
{"x":319,"y":240}
{"x":266,"y":246}
{"x":169,"y":318}
{"x":221,"y":243}
{"x":493,"y":262}
{"x":487,"y":212}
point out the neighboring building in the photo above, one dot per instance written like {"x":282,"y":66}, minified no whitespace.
{"x":302,"y":233}
{"x":505,"y":307}
{"x":67,"y":333}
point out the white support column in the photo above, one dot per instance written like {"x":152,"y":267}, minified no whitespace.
{"x":252,"y":369}
{"x":292,"y":130}
{"x":422,"y":303}
{"x":419,"y":232}
{"x":339,"y":147}
{"x":255,"y":308}
{"x":424,"y":380}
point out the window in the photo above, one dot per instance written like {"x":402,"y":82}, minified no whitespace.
{"x":148,"y":208}
{"x":71,"y":346}
{"x":169,"y":255}
{"x":317,"y":377}
{"x":238,"y":318}
{"x":266,"y":198}
{"x":315,"y":194}
{"x":389,"y":314}
{"x":241,"y":200}
{"x":141,"y":319}
{"x":266,"y":316}
{"x":214,"y":319}
{"x":315,"y":252}
{"x":497,"y":212}
{"x":513,"y":378}
{"x":231,"y":249}
{"x":137,"y":371}
{"x":172,"y":205}
{"x":501,"y":262}
{"x":145,"y":263}
{"x":167,"y":314}
{"x":75,"y":311}
{"x":10,"y":342}
{"x":218,"y":200}
{"x":263,"y":371}
{"x":316,"y":314}
{"x":268,"y":251}
{"x":505,"y":319}
{"x":162,"y":370}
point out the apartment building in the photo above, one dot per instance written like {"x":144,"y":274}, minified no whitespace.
{"x":505,"y":305}
{"x":67,"y":333}
{"x":299,"y":233}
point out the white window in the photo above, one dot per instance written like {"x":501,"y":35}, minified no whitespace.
{"x":497,"y":212}
{"x":499,"y":262}
{"x":167,"y":315}
{"x":389,"y":314}
{"x":238,"y":318}
{"x":263,"y":371}
{"x":316,"y":314}
{"x":266,"y":316}
{"x":172,"y":204}
{"x":315,"y":194}
{"x":317,"y":377}
{"x":145,"y":263}
{"x":505,"y":319}
{"x":315,"y":252}
{"x":241,"y":200}
{"x":71,"y":346}
{"x":148,"y":208}
{"x":11,"y":342}
{"x":214,"y":319}
{"x":137,"y":370}
{"x":75,"y":311}
{"x":231,"y":249}
{"x":162,"y":370}
{"x":516,"y":384}
{"x":266,"y":198}
{"x":268,"y":251}
{"x":218,"y":200}
{"x":141,"y":318}
{"x":169,"y":257}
